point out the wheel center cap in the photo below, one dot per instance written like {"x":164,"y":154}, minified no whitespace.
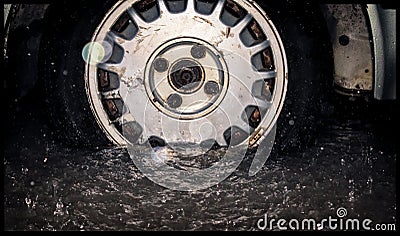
{"x":186,"y":78}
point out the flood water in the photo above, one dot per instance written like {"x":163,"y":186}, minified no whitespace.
{"x":351,"y":164}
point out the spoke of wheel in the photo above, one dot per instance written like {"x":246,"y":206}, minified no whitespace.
{"x":136,"y":17}
{"x":259,"y":47}
{"x":190,"y":6}
{"x":116,"y":68}
{"x":218,"y":8}
{"x":221,"y":122}
{"x":162,"y":6}
{"x":111,"y":94}
{"x":265,"y":74}
{"x":126,"y":116}
{"x":243,"y":23}
{"x":261,"y":103}
{"x":234,"y":103}
{"x":151,"y":117}
{"x":245,"y":127}
{"x":116,"y":39}
{"x":139,"y":105}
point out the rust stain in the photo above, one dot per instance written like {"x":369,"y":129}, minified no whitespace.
{"x":228,"y":31}
{"x":359,"y":80}
{"x":201,"y":19}
{"x":248,"y":5}
{"x":118,"y":70}
{"x":224,"y":34}
{"x":218,"y":42}
{"x":120,"y":40}
{"x":256,"y":136}
{"x":257,"y":31}
{"x":139,"y":41}
{"x":144,"y":28}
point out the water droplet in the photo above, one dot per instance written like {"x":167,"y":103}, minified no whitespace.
{"x":24,"y":170}
{"x":59,"y":208}
{"x":369,"y":180}
{"x":163,"y":200}
{"x":28,"y":201}
{"x":291,"y":122}
{"x":351,"y":196}
{"x":32,"y":183}
{"x":59,"y":205}
{"x":65,"y":72}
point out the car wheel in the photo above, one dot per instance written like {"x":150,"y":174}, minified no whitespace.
{"x":180,"y":71}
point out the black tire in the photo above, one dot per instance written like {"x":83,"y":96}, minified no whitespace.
{"x":308,"y":50}
{"x":70,"y":27}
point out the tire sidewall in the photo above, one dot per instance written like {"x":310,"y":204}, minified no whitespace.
{"x":69,"y":28}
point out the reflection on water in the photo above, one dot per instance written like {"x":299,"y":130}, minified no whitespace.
{"x":50,"y":187}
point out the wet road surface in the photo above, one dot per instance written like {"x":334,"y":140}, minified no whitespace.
{"x":351,"y":164}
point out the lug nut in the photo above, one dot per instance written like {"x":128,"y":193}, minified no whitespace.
{"x":211,"y":88}
{"x":198,"y":51}
{"x":174,"y":100}
{"x":160,"y":64}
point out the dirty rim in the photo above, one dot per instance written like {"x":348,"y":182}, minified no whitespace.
{"x":186,"y":71}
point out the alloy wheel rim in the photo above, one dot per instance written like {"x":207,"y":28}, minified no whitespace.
{"x":235,"y":91}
